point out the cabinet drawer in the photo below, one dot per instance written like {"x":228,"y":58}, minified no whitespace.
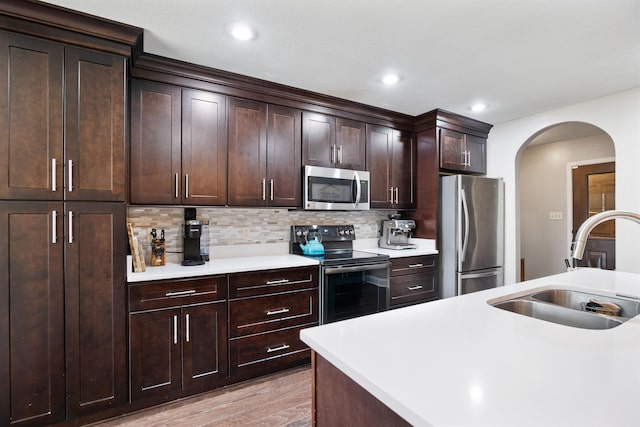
{"x":260,"y":314}
{"x":176,"y":292}
{"x":413,"y":288}
{"x":413,"y":265}
{"x":267,"y":352}
{"x":272,"y":281}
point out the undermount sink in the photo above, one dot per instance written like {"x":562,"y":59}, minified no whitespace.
{"x":569,"y":308}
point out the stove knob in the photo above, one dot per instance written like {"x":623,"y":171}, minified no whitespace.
{"x":341,"y":232}
{"x":299,"y":233}
{"x":351,"y":231}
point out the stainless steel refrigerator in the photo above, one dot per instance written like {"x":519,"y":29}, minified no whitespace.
{"x":471,"y":236}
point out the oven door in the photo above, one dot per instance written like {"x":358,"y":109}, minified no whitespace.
{"x":353,"y":291}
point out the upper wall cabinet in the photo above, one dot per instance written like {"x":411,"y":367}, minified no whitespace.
{"x":391,"y":159}
{"x":62,"y":131}
{"x":332,"y":142}
{"x":264,"y":154}
{"x":178,"y":145}
{"x":462,"y":152}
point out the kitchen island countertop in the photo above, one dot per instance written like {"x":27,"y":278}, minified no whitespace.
{"x":461,"y":362}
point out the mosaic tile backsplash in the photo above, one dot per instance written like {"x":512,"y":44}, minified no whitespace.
{"x":234,"y":226}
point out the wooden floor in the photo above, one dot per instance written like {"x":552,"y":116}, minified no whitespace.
{"x":282,"y":399}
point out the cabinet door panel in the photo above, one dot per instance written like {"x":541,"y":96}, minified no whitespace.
{"x":452,"y":150}
{"x":95,"y":307}
{"x":204,"y":345}
{"x":477,"y":154}
{"x":350,"y":144}
{"x":204,"y":148}
{"x":32,"y":391}
{"x":318,"y":139}
{"x":283,"y":156}
{"x":155,"y":143}
{"x":95,"y":125}
{"x":155,"y":347}
{"x":247,"y":153}
{"x":403,"y":168}
{"x":30,"y":118}
{"x":380,"y":140}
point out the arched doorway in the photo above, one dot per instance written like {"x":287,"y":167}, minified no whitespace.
{"x":545,"y":192}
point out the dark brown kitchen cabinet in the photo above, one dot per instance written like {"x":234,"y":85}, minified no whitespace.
{"x":267,"y":309}
{"x":178,"y":337}
{"x":462,"y":152}
{"x":413,"y":280}
{"x":264,"y":154}
{"x":391,"y":159}
{"x":53,"y":253}
{"x":63,"y":130}
{"x":332,"y":141}
{"x":178,"y":145}
{"x":95,"y":301}
{"x":32,"y":389}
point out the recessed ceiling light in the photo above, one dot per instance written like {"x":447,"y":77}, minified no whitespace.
{"x":390,"y":79}
{"x":478,"y":107}
{"x":240,"y":31}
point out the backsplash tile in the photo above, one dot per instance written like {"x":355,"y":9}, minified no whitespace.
{"x":239,"y":226}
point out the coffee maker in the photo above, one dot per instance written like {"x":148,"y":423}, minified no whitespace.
{"x":192,"y":234}
{"x":396,"y":233}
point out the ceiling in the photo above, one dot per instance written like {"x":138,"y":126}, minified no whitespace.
{"x":521,"y":57}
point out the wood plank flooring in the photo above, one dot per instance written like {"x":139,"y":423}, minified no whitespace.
{"x":282,"y":399}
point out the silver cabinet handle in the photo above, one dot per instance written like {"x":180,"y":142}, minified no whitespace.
{"x":186,"y":327}
{"x":280,"y":347}
{"x":175,"y":329}
{"x":416,"y":265}
{"x":333,"y":153}
{"x":396,"y":191}
{"x":278,"y":311}
{"x":177,"y":184}
{"x":186,"y":186}
{"x":70,"y":226}
{"x":271,"y":189}
{"x":414,"y":288}
{"x":70,"y":176}
{"x":180,"y":293}
{"x":54,"y":226}
{"x":391,"y":195}
{"x":54,"y":184}
{"x":264,"y":189}
{"x":277,"y":282}
{"x":340,"y":154}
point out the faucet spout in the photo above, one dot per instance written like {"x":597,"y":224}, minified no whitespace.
{"x":592,"y":222}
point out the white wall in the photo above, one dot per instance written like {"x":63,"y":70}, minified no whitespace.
{"x":544,"y":243}
{"x":619,"y":116}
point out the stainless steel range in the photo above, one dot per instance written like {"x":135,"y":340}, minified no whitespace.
{"x":352,"y":283}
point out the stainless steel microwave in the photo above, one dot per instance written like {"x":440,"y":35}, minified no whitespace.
{"x":335,"y":189}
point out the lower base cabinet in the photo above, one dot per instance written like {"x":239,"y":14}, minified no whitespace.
{"x":413,"y":280}
{"x":178,"y":338}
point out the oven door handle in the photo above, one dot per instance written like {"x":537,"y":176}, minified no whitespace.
{"x":365,"y":267}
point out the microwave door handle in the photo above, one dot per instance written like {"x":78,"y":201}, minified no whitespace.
{"x":356,"y":178}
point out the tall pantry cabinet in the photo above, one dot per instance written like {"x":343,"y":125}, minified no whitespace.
{"x":62,"y":222}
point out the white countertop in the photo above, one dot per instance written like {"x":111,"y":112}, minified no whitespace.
{"x":219,"y":266}
{"x":260,"y":257}
{"x":461,"y":362}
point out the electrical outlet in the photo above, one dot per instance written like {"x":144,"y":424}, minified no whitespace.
{"x":556,"y":216}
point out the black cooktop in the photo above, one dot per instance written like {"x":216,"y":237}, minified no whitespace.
{"x":338,"y":244}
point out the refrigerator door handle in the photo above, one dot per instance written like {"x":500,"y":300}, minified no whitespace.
{"x":465,"y":208}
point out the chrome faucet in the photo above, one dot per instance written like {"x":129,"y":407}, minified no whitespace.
{"x":585,"y":229}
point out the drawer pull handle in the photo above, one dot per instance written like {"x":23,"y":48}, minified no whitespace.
{"x":280,"y":347}
{"x":418,"y":265}
{"x":415,"y":288}
{"x":180,"y":293}
{"x":277,"y":282}
{"x":279,"y":311}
